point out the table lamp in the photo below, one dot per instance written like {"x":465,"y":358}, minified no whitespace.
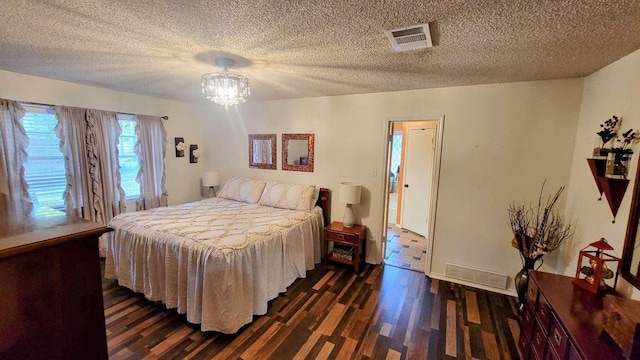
{"x":211,"y":179}
{"x":349,"y":194}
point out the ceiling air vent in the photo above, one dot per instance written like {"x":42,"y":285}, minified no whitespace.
{"x":410,"y":38}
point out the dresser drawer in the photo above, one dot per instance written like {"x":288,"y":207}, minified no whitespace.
{"x":337,"y":236}
{"x":543,"y":313}
{"x":534,"y":355}
{"x":524,"y":344}
{"x":532,"y":293}
{"x":539,"y":343}
{"x":551,"y":355}
{"x":526,"y":331}
{"x":558,"y":339}
{"x":528,"y":320}
{"x":573,"y":353}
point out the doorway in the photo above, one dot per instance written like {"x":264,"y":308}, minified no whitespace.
{"x":413,"y":149}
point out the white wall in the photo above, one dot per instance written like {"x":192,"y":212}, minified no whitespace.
{"x":183,"y":178}
{"x":613,"y":90}
{"x":500,"y":142}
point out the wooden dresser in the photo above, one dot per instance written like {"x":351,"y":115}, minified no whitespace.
{"x":561,"y":321}
{"x":50,"y":284}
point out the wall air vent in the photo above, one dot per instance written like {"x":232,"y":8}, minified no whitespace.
{"x":477,"y":276}
{"x":410,"y":38}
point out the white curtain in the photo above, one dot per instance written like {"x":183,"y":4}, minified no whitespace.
{"x":89,"y":143}
{"x":13,"y":150}
{"x":103,"y":130}
{"x":151,"y":148}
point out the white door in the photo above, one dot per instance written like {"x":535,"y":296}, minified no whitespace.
{"x":418,"y":169}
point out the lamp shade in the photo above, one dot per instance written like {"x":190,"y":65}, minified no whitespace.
{"x":350,"y":193}
{"x":211,"y":178}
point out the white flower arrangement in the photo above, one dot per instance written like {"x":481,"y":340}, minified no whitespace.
{"x":197,"y":153}
{"x":181,"y":146}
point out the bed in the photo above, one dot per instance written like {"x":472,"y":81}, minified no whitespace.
{"x":220,"y":260}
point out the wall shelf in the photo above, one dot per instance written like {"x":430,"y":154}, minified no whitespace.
{"x":613,"y":189}
{"x":597,"y":167}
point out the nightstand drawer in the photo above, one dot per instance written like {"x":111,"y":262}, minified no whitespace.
{"x":336,"y":236}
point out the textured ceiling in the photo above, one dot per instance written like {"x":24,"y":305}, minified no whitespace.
{"x":292,"y":49}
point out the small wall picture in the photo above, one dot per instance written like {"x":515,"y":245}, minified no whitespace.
{"x":180,"y":146}
{"x":194,"y":153}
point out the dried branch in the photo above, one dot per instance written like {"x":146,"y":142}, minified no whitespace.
{"x":538,"y":230}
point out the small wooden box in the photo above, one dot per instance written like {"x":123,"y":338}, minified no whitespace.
{"x":621,"y":320}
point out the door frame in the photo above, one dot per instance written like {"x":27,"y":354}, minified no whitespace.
{"x":435,"y":181}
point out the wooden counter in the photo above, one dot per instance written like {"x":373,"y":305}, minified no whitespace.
{"x":50,"y":284}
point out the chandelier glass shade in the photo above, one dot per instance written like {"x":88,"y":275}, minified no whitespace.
{"x":224,"y":88}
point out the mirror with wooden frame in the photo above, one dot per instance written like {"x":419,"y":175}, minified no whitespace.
{"x":262,"y":151}
{"x":631,"y":251}
{"x":297,"y":152}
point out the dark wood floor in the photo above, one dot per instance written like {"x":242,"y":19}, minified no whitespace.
{"x":384,"y":313}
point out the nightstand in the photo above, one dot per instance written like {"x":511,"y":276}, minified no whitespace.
{"x":348,"y":244}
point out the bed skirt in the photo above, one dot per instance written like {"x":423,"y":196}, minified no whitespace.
{"x":220,"y":289}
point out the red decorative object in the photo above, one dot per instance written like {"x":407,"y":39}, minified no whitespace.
{"x":613,"y":189}
{"x":596,"y":269}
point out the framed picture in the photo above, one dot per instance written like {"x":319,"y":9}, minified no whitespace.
{"x":194,"y":153}
{"x":180,"y":146}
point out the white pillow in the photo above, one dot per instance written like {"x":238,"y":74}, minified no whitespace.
{"x":288,"y":196}
{"x":242,"y":189}
{"x":315,"y":196}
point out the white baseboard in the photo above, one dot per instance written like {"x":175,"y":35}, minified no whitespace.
{"x":369,"y":261}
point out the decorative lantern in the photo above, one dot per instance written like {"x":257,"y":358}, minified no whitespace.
{"x":597,"y":271}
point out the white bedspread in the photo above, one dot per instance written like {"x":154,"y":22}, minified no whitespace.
{"x":219,"y":261}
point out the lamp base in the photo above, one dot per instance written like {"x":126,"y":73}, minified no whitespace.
{"x":348,"y":220}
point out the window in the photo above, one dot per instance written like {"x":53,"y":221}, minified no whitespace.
{"x":44,"y":169}
{"x":129,"y":164}
{"x":396,"y":153}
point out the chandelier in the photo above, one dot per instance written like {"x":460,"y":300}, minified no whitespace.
{"x":224,"y":88}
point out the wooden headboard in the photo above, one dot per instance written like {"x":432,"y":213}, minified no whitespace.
{"x":324,"y":201}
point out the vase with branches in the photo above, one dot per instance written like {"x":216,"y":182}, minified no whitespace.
{"x":537,"y":230}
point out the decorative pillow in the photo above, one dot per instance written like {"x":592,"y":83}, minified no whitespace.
{"x":288,"y":196}
{"x":242,"y":189}
{"x":315,"y":196}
